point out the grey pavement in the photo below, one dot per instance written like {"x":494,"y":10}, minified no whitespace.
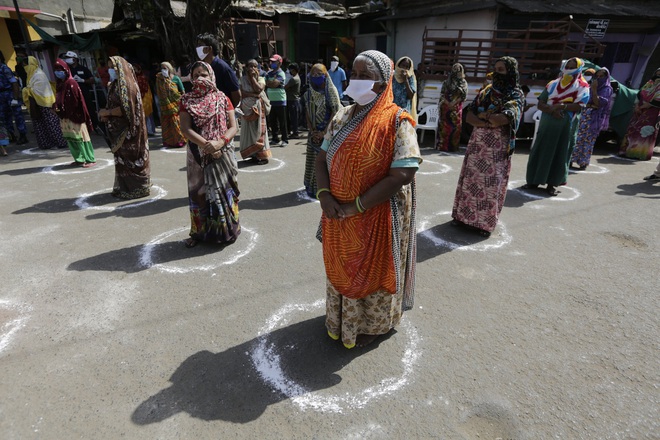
{"x":110,"y":328}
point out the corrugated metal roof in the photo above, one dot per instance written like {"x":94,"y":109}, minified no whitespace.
{"x":434,"y":8}
{"x":626,"y":8}
{"x":309,"y":7}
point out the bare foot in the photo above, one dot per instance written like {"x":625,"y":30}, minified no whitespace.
{"x":364,"y":340}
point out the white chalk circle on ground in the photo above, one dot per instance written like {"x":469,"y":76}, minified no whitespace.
{"x":493,"y":242}
{"x":230,"y":254}
{"x":591,"y":169}
{"x":78,"y":169}
{"x":538,"y":194}
{"x":627,"y":159}
{"x":179,"y":150}
{"x":266,"y":359}
{"x":443,"y":168}
{"x":14,"y":318}
{"x":302,"y":195}
{"x":451,"y":154}
{"x":263,"y":168}
{"x":81,"y":202}
{"x":34,"y":151}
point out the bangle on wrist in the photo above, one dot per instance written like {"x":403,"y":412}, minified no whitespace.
{"x":358,"y":205}
{"x":318,"y":193}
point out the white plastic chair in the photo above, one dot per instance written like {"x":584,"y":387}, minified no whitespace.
{"x":431,"y":123}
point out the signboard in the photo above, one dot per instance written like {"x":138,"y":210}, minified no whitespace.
{"x":596,"y":28}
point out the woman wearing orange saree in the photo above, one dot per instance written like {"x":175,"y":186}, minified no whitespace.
{"x":170,"y":88}
{"x":366,"y":178}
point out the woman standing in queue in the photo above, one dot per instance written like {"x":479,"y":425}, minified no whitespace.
{"x":450,"y":123}
{"x":642,"y":130}
{"x":39,"y":97}
{"x":366,"y":176}
{"x":560,"y":102}
{"x":495,"y":115}
{"x":169,"y":89}
{"x":127,"y":131}
{"x":208,"y":122}
{"x":321,"y":103}
{"x":404,"y":86}
{"x":254,"y":129}
{"x":595,"y":118}
{"x":75,"y":122}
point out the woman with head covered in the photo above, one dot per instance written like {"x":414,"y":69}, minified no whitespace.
{"x":642,"y":131}
{"x":560,"y":102}
{"x":366,"y":184}
{"x":495,"y":115}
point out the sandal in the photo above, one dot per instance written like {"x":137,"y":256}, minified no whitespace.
{"x":191,"y":242}
{"x":652,"y":177}
{"x":530,"y":186}
{"x":484,"y":233}
{"x":77,"y":164}
{"x":551,"y":190}
{"x":455,"y":222}
{"x":89,"y":164}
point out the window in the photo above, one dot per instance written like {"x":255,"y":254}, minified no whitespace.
{"x":624,"y":52}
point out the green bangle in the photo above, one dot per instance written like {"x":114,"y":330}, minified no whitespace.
{"x":320,"y":191}
{"x":358,"y":205}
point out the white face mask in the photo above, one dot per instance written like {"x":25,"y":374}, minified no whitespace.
{"x":334,"y":65}
{"x":588,"y":78}
{"x":166,"y":73}
{"x":360,"y":91}
{"x":69,"y":61}
{"x":200,"y":52}
{"x":113,"y":74}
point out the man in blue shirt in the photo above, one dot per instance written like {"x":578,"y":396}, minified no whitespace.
{"x":338,"y":75}
{"x":275,"y":80}
{"x":225,"y":77}
{"x":10,"y":103}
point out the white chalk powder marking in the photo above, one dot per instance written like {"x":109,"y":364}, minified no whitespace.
{"x":266,"y":360}
{"x":34,"y":151}
{"x":231,"y":253}
{"x":262,"y":169}
{"x":10,"y":328}
{"x":78,"y":169}
{"x":444,"y":168}
{"x":592,"y":169}
{"x":532,"y":194}
{"x":180,"y":150}
{"x":627,"y":159}
{"x":302,"y":195}
{"x":81,"y":202}
{"x":491,"y":243}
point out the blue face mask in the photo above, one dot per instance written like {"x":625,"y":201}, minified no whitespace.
{"x":60,"y":74}
{"x":273,"y":66}
{"x":317,"y":81}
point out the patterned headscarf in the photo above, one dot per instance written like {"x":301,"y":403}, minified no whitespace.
{"x":455,"y":83}
{"x":651,"y":90}
{"x":70,"y":102}
{"x":601,"y":116}
{"x":503,"y":96}
{"x":322,"y":105}
{"x":203,"y":104}
{"x":129,"y":94}
{"x":569,"y":87}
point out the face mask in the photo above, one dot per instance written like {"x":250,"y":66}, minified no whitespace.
{"x":113,"y":74}
{"x":200,"y":52}
{"x":273,"y":66}
{"x":60,"y":74}
{"x":69,"y":61}
{"x":334,"y":65}
{"x":588,"y":78}
{"x":166,"y":73}
{"x":317,"y":81}
{"x":360,"y":91}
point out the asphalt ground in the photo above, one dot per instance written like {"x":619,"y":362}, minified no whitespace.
{"x":111,"y":328}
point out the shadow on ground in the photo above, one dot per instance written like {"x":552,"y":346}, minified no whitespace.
{"x":227,"y":386}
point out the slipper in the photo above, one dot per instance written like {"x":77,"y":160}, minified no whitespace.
{"x":530,"y":186}
{"x":190,"y":242}
{"x":552,"y":192}
{"x":484,"y":233}
{"x":77,"y":164}
{"x":89,"y":164}
{"x":652,"y":177}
